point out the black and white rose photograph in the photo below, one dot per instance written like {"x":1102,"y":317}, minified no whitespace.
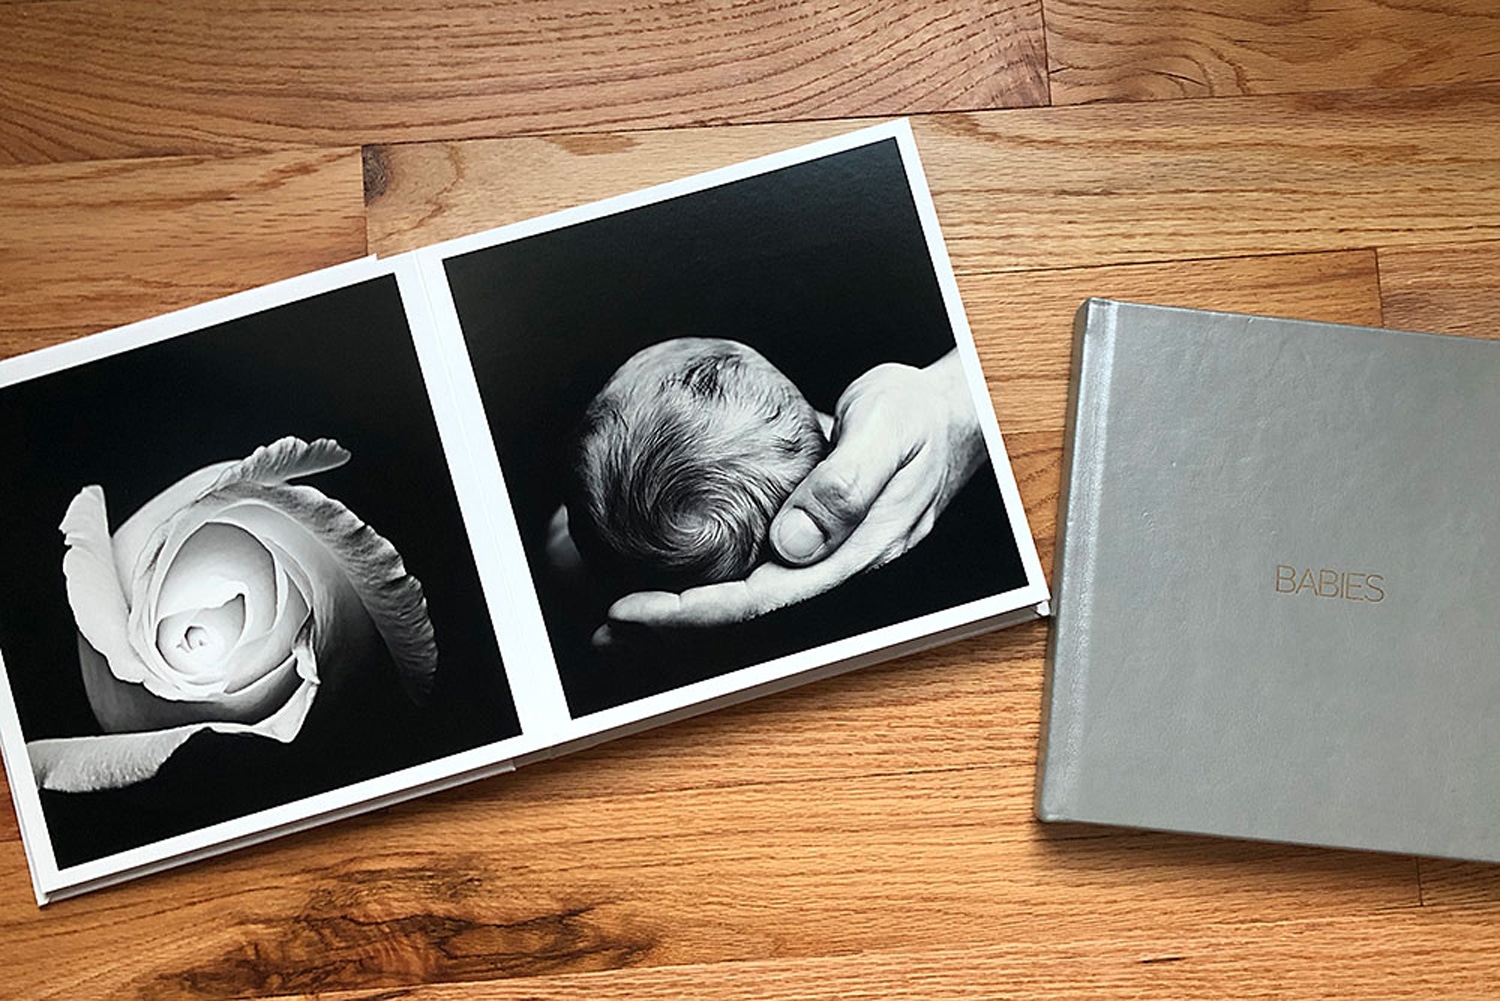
{"x":734,"y":425}
{"x":238,"y":574}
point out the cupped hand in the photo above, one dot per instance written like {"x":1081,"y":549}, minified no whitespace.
{"x":905,"y":441}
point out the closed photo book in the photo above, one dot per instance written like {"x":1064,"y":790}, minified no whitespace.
{"x":378,"y":530}
{"x":1276,"y":584}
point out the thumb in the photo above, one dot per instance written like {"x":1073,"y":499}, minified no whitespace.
{"x":833,"y":499}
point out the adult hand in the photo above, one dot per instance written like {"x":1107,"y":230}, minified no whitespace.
{"x":905,"y":441}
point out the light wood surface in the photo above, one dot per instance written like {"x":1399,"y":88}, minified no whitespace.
{"x":99,"y":78}
{"x":97,"y":244}
{"x":868,"y":836}
{"x":1133,"y":50}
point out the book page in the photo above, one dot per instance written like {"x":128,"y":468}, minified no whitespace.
{"x":673,"y":392}
{"x":384,"y":528}
{"x":241,"y":593}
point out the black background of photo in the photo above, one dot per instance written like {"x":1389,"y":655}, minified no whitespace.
{"x":340,"y":365}
{"x":824,"y":268}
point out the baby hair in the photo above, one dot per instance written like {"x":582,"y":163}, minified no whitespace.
{"x":683,"y":459}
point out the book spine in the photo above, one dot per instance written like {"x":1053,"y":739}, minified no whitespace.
{"x":1065,"y":679}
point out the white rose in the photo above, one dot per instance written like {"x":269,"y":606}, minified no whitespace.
{"x":225,"y":603}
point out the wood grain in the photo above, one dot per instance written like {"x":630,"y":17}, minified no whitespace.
{"x":509,"y":879}
{"x":1022,"y":321}
{"x":1387,"y":956}
{"x":1469,"y":885}
{"x":1139,"y":50}
{"x":87,"y":79}
{"x":94,"y":245}
{"x":1054,"y":188}
{"x":1449,"y":289}
{"x":1378,"y":957}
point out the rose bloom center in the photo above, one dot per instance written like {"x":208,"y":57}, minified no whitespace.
{"x":220,"y":577}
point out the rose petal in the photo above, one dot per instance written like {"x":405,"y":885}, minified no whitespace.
{"x":220,"y":567}
{"x":240,"y":670}
{"x":274,"y":463}
{"x":215,"y":563}
{"x":151,"y":538}
{"x":285,"y":459}
{"x":111,"y":761}
{"x":313,"y":569}
{"x":192,"y":562}
{"x":94,"y":591}
{"x":87,"y":764}
{"x":199,"y":642}
{"x":132,"y":536}
{"x":122,"y":707}
{"x":392,"y":597}
{"x":329,"y":598}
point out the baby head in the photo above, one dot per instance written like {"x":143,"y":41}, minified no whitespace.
{"x":683,"y":459}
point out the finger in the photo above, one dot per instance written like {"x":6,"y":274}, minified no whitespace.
{"x":647,"y":608}
{"x":835,"y":498}
{"x":768,"y":588}
{"x":884,"y":535}
{"x":619,"y":638}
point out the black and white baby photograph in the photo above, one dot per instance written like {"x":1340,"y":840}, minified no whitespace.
{"x":237,"y":574}
{"x":734,"y":425}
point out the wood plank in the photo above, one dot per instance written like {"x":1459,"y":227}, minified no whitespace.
{"x":89,"y":246}
{"x":1022,"y":321}
{"x":106,"y":78}
{"x":1053,"y":188}
{"x":1141,"y":50}
{"x":507,"y":879}
{"x":1386,"y":956}
{"x":10,"y":828}
{"x":1467,"y":885}
{"x":1444,"y":290}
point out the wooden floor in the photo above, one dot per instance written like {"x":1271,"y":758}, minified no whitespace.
{"x":869,"y":836}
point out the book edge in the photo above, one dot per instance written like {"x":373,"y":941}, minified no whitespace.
{"x":1077,"y":513}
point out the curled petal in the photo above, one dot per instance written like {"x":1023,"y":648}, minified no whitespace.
{"x":88,"y":764}
{"x":123,"y":707}
{"x":214,"y":615}
{"x":330,"y":545}
{"x":133,"y":536}
{"x":392,"y":597}
{"x":114,"y":760}
{"x":284,"y":459}
{"x":287,"y":458}
{"x":94,"y":591}
{"x":180,"y":568}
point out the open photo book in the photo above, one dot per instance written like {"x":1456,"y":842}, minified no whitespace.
{"x":381,"y":529}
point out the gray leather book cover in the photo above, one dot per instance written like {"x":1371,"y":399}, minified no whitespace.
{"x":1278,"y":584}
